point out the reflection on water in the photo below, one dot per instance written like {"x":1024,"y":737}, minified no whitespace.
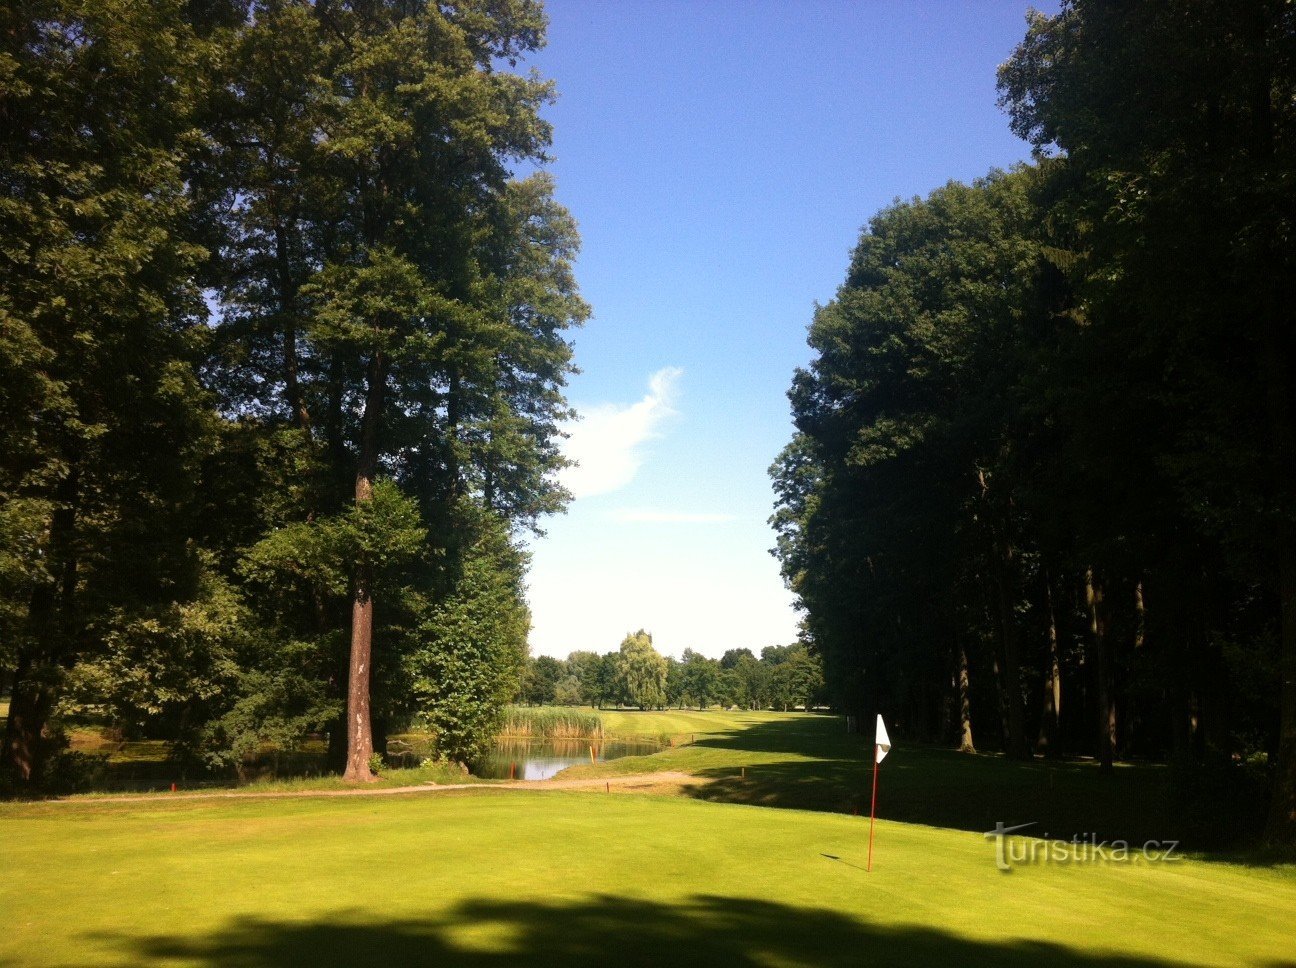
{"x":540,"y":759}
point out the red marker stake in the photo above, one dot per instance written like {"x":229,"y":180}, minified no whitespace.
{"x":873,"y":810}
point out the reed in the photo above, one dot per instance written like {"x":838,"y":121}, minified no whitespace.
{"x":551,"y":723}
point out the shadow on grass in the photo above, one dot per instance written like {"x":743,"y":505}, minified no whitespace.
{"x":704,"y":932}
{"x":943,"y":788}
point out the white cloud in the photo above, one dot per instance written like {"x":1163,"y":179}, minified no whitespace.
{"x":648,"y":516}
{"x":607,"y":442}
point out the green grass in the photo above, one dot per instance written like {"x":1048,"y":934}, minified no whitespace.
{"x":807,"y":760}
{"x":497,"y":878}
{"x":683,"y":724}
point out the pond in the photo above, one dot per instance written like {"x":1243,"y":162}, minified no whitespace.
{"x":540,"y":759}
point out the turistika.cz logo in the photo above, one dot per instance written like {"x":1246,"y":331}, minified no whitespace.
{"x":1080,"y":849}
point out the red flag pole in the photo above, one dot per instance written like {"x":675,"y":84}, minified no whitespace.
{"x":873,"y":809}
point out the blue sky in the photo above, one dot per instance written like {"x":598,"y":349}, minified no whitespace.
{"x":721,"y":159}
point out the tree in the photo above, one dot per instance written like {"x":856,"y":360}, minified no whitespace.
{"x":606,"y":685}
{"x":102,"y":421}
{"x":471,"y":647}
{"x":898,"y":486}
{"x":747,"y":681}
{"x":798,"y":679}
{"x":540,"y":682}
{"x":641,"y":671}
{"x":732,"y":657}
{"x":390,"y":292}
{"x":568,"y":692}
{"x":585,"y":667}
{"x":1176,"y":126}
{"x":700,"y":678}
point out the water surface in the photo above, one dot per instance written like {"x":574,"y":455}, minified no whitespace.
{"x":539,"y":759}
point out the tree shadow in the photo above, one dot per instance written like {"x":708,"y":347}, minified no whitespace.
{"x":831,"y":770}
{"x":703,"y":932}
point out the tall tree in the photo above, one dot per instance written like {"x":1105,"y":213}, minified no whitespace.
{"x":1176,"y":120}
{"x":641,"y":671}
{"x":100,"y":322}
{"x":395,"y":296}
{"x":898,"y":485}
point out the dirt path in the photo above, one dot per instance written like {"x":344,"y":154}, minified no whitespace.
{"x":637,"y":781}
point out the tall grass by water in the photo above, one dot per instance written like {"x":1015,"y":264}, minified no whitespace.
{"x":551,"y":723}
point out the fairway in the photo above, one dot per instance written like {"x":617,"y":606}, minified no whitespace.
{"x":495,"y":878}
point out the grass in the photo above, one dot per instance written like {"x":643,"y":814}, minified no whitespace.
{"x":489,"y":877}
{"x":497,"y":878}
{"x":807,"y":760}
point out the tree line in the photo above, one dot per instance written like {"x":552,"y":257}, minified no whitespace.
{"x":784,"y":677}
{"x":1041,"y":495}
{"x":283,"y":301}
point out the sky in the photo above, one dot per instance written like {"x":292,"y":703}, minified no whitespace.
{"x":721,"y":159}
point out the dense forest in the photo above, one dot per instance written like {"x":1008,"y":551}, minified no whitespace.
{"x":1041,"y":497}
{"x":283,"y":295}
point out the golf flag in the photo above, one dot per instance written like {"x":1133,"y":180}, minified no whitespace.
{"x":882,"y":742}
{"x":881,"y":747}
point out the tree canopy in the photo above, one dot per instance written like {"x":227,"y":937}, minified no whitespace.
{"x":1042,"y":474}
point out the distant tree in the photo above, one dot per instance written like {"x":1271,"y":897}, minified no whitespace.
{"x":773,"y":655}
{"x":641,"y":671}
{"x":701,"y":678}
{"x":798,"y":679}
{"x":606,"y":688}
{"x":675,"y":692}
{"x":540,"y":681}
{"x":749,"y":682}
{"x":732,"y":657}
{"x":568,"y":692}
{"x":584,"y":666}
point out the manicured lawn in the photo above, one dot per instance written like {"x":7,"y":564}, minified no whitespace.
{"x":681,"y":724}
{"x":807,"y":760}
{"x":497,"y":878}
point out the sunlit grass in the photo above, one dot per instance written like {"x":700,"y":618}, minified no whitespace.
{"x":516,"y":878}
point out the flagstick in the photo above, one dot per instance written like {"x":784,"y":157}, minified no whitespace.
{"x":873,"y":809}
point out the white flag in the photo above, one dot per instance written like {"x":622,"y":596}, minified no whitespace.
{"x":882,"y":742}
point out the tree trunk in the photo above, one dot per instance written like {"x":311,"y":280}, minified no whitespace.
{"x":49,"y":620}
{"x":1102,"y":671}
{"x":1048,"y":743}
{"x":1008,"y":662}
{"x":27,"y":711}
{"x":359,"y":724}
{"x":1010,"y":698}
{"x":1134,"y":730}
{"x":964,"y":704}
{"x":1281,"y":825}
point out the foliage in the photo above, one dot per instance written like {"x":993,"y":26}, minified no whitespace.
{"x":280,"y":331}
{"x":467,"y":657}
{"x":641,"y":671}
{"x":1042,"y":474}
